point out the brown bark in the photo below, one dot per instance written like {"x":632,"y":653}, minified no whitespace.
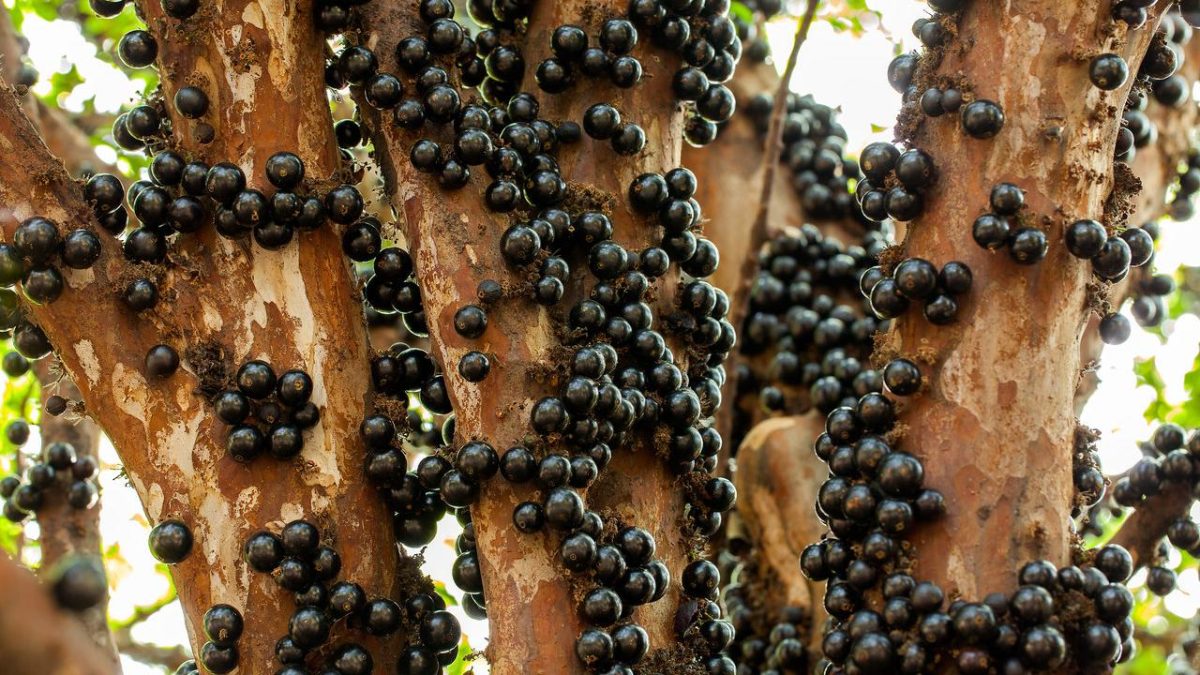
{"x":65,"y":530}
{"x":777,"y":480}
{"x":531,"y":603}
{"x":36,"y":637}
{"x":1146,"y":527}
{"x":994,"y":423}
{"x":262,"y":70}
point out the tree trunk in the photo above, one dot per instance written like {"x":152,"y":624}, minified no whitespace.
{"x":224,"y":302}
{"x":531,"y":602}
{"x":994,"y":423}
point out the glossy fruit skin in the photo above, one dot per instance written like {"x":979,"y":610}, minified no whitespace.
{"x":137,"y":49}
{"x":1112,"y":262}
{"x":37,"y":239}
{"x":1141,"y":246}
{"x":991,"y":232}
{"x":170,"y":541}
{"x":1114,"y":329}
{"x":223,"y":625}
{"x":43,"y":285}
{"x":1028,"y":245}
{"x":1007,"y":199}
{"x":285,"y":170}
{"x":263,"y":551}
{"x":1108,"y":71}
{"x":256,"y":379}
{"x":162,"y":361}
{"x":1085,"y":238}
{"x":191,"y":102}
{"x":982,"y":119}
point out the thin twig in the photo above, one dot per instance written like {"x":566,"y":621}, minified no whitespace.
{"x":772,"y":153}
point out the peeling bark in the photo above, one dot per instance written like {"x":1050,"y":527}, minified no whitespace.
{"x":994,"y":423}
{"x":261,"y":66}
{"x":531,"y":603}
{"x":36,"y":637}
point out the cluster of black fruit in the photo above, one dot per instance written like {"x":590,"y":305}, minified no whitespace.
{"x":767,"y":643}
{"x":1171,"y":461}
{"x":573,"y":56}
{"x":60,"y":468}
{"x":995,"y":230}
{"x":917,"y":280}
{"x":622,"y":374}
{"x":1111,"y":256}
{"x":223,"y":627}
{"x":412,"y":497}
{"x":1183,"y":206}
{"x":814,"y":149}
{"x":757,"y":48}
{"x":806,"y":320}
{"x":873,"y":497}
{"x":36,"y":248}
{"x":875,"y":494}
{"x":390,"y":288}
{"x":266,"y":412}
{"x":707,"y":40}
{"x":895,"y":182}
{"x":299,"y":563}
{"x":174,"y":201}
{"x":1018,"y":633}
{"x":1148,"y":307}
{"x":980,"y":118}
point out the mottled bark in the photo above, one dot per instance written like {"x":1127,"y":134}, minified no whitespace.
{"x":261,"y":66}
{"x":36,"y":637}
{"x":454,"y":239}
{"x":994,"y":423}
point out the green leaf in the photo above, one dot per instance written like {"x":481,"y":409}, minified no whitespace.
{"x":1147,"y":374}
{"x":461,"y":659}
{"x":440,"y":587}
{"x":741,"y":11}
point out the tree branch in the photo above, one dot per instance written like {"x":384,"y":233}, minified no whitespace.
{"x":36,"y":637}
{"x":772,"y":151}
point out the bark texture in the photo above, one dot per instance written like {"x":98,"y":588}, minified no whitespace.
{"x":36,"y":637}
{"x":454,"y":241}
{"x":224,"y":302}
{"x":993,"y":423}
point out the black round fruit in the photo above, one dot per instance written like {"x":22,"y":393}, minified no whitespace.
{"x":170,"y":541}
